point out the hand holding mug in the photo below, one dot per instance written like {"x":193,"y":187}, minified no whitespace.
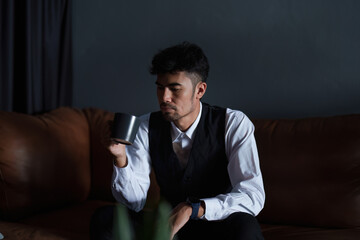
{"x":123,"y":132}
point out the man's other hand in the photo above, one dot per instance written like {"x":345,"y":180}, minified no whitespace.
{"x":179,"y":217}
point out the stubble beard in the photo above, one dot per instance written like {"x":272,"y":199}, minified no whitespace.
{"x":168,"y":115}
{"x":171,"y":117}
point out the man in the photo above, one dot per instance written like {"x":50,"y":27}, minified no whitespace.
{"x":205,"y":158}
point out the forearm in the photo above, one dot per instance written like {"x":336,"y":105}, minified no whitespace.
{"x":247,"y":194}
{"x":130,"y":188}
{"x":202,"y":210}
{"x":127,"y":186}
{"x":223,"y":205}
{"x":181,"y":215}
{"x":120,"y":161}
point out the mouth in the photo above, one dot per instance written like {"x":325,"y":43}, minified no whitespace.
{"x":165,"y":107}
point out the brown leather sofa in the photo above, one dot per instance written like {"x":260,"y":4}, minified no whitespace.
{"x":55,"y":171}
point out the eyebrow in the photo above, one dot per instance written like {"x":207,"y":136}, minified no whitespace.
{"x":170,"y":85}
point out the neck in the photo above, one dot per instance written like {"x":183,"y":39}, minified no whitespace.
{"x":186,"y":121}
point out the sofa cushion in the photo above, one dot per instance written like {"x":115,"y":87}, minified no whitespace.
{"x":70,"y":222}
{"x":285,"y":232}
{"x":18,"y":231}
{"x":44,"y":161}
{"x":311,"y":170}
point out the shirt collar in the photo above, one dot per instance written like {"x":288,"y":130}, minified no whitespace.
{"x":176,"y":132}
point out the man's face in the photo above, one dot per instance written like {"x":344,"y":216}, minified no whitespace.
{"x":176,"y":95}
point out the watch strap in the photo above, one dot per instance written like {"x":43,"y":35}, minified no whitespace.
{"x":195,"y":204}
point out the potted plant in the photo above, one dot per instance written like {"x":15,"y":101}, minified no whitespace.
{"x":155,"y":227}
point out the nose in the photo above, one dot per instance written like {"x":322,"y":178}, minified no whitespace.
{"x":166,"y":95}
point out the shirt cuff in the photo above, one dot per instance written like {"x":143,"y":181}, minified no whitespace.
{"x":212,"y":209}
{"x":121,"y":176}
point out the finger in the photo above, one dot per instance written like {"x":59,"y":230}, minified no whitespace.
{"x":113,"y":142}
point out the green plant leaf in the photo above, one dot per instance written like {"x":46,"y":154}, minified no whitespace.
{"x":155,"y":224}
{"x":162,"y":227}
{"x":122,"y":229}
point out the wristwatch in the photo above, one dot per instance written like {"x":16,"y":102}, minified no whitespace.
{"x":195,"y":204}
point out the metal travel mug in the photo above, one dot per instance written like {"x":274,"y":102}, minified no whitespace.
{"x":124,"y":128}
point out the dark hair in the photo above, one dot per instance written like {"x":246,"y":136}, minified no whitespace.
{"x":186,"y":57}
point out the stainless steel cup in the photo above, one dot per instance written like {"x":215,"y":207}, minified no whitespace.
{"x":124,"y":128}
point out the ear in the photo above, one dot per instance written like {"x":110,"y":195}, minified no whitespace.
{"x":200,"y":90}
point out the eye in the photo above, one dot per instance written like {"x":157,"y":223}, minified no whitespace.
{"x":175,"y":89}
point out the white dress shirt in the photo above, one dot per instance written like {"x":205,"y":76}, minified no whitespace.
{"x":131,"y":183}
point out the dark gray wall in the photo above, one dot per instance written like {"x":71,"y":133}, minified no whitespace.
{"x":270,"y":59}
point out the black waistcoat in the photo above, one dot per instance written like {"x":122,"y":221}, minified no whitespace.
{"x":206,"y":172}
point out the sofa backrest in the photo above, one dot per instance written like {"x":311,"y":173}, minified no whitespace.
{"x":44,"y":161}
{"x":101,"y":159}
{"x":311,"y":170}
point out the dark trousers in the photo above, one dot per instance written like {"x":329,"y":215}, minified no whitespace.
{"x":237,"y":226}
